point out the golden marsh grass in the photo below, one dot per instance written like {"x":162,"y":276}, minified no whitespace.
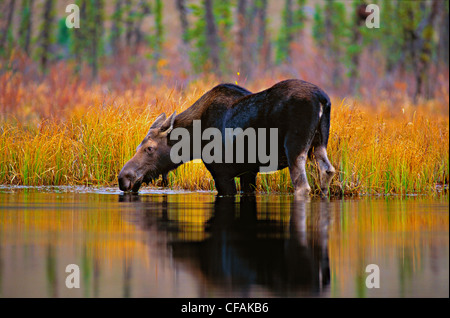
{"x":75,"y":134}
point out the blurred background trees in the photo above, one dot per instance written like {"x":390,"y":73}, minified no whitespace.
{"x":326,"y":42}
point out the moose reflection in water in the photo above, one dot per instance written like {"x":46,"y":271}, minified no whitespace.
{"x":237,"y":244}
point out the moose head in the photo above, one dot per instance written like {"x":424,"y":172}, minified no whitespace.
{"x":152,"y":156}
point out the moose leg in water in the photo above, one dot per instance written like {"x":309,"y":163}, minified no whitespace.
{"x":298,"y":175}
{"x":297,"y":145}
{"x":319,"y":147}
{"x":165,"y":181}
{"x":225,"y":185}
{"x":248,"y":182}
{"x":326,"y":170}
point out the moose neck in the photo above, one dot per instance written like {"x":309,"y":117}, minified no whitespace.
{"x":207,"y":112}
{"x":195,"y":112}
{"x":191,"y":120}
{"x":188,"y":140}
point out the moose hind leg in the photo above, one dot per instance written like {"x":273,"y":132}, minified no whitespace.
{"x":297,"y":147}
{"x":326,"y":170}
{"x":297,"y":170}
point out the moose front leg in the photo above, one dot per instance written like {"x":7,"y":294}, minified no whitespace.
{"x":225,"y":186}
{"x":248,"y":183}
{"x":165,"y":181}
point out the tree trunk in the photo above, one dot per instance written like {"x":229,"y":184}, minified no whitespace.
{"x":423,"y":46}
{"x":116,"y":27}
{"x":159,"y":28}
{"x":9,"y":17}
{"x":242,"y":38}
{"x":332,"y":55}
{"x":263,"y":41}
{"x":144,"y":10}
{"x":211,"y":37}
{"x":359,"y":18}
{"x":285,"y":36}
{"x":96,"y":31}
{"x":30,"y":27}
{"x":129,"y":22}
{"x":251,"y":53}
{"x":45,"y":37}
{"x":26,"y":25}
{"x":182,"y":11}
{"x":79,"y":40}
{"x":289,"y":28}
{"x":443,"y":45}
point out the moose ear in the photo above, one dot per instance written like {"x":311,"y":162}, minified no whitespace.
{"x":159,"y":121}
{"x":167,"y":126}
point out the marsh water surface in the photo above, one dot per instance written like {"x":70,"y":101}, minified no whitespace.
{"x":181,"y":244}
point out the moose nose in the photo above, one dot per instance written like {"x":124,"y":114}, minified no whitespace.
{"x":126,"y":180}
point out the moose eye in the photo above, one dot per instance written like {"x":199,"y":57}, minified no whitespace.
{"x":149,"y":149}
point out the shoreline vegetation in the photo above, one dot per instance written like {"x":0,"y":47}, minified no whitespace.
{"x":83,"y":136}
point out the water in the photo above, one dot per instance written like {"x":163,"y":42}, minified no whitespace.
{"x":184,"y":244}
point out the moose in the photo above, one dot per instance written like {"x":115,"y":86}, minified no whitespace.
{"x":298,"y":111}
